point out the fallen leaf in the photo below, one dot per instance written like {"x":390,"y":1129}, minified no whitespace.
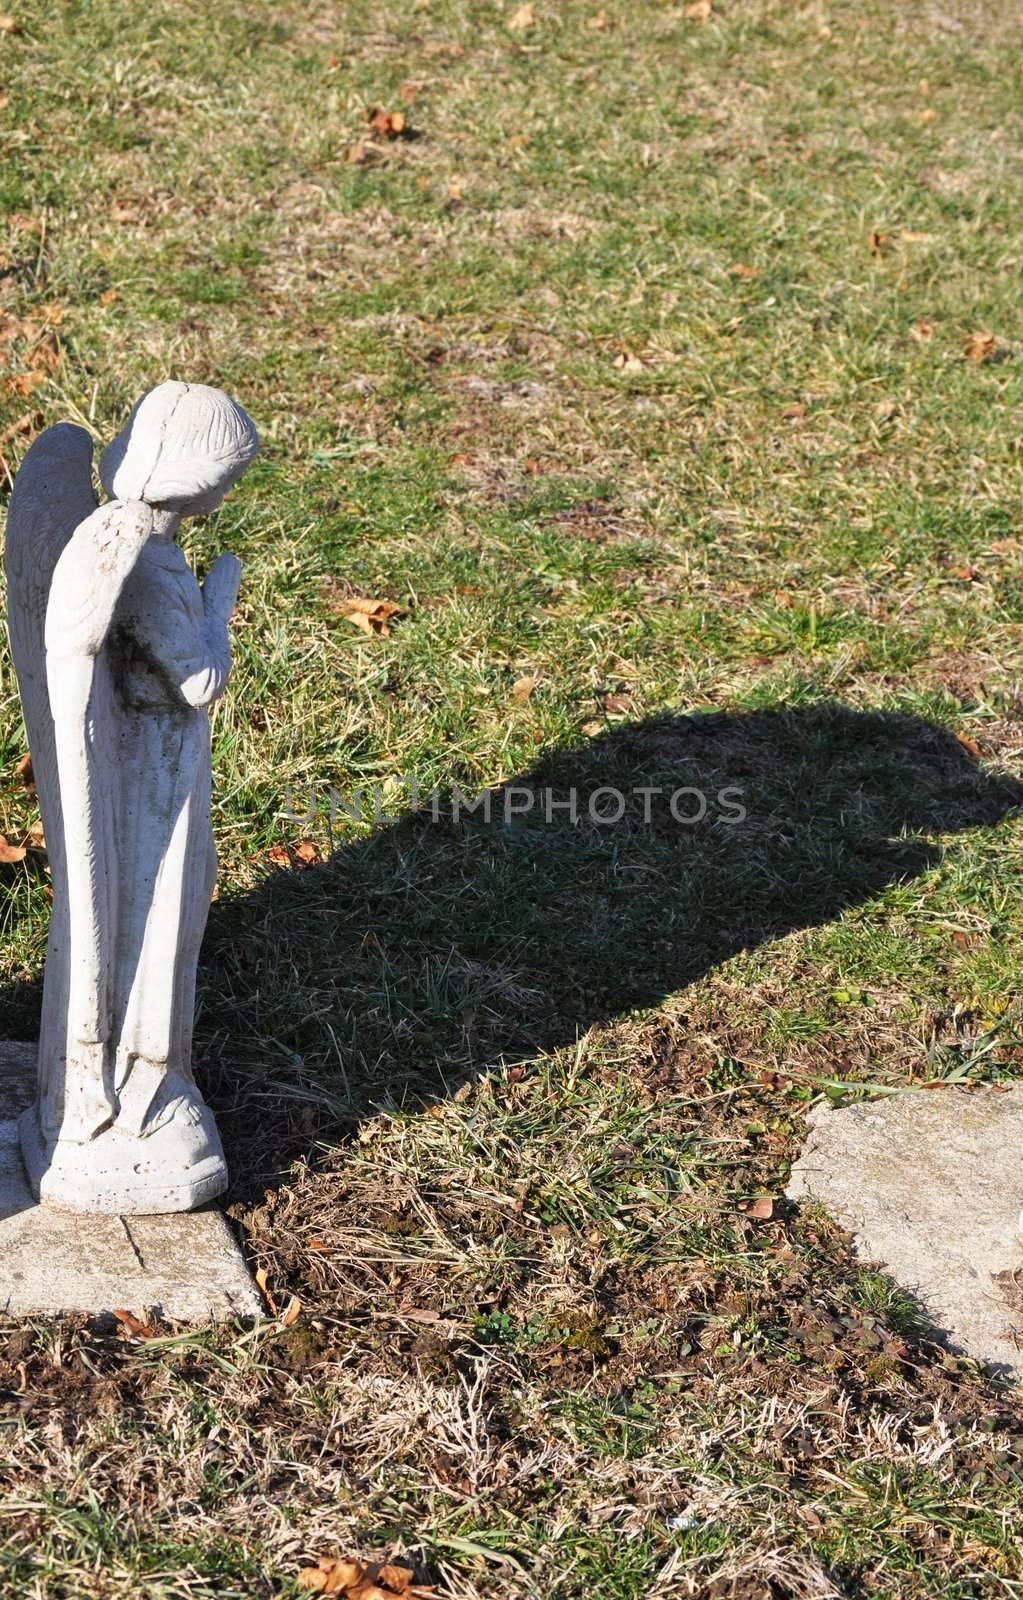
{"x":592,"y":728}
{"x":25,"y":383}
{"x":922,"y":329}
{"x":761,"y":1209}
{"x":522,"y":688}
{"x":617,"y":704}
{"x":969,"y":745}
{"x":742,"y":269}
{"x":600,"y":23}
{"x":9,"y":25}
{"x":23,"y":767}
{"x":408,"y":92}
{"x":35,"y":838}
{"x":261,"y":1279}
{"x":134,"y":1328}
{"x":699,"y":10}
{"x":11,"y":852}
{"x":306,"y":852}
{"x":793,"y":411}
{"x":389,"y":124}
{"x":877,"y":241}
{"x":107,"y":298}
{"x":395,"y":1577}
{"x":22,"y":424}
{"x":291,"y":1311}
{"x":524,"y":17}
{"x":357,"y":154}
{"x":981,"y":347}
{"x":627,"y":361}
{"x":909,"y":237}
{"x":372,"y":616}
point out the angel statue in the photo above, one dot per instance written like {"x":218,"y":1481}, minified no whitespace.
{"x":119,"y":655}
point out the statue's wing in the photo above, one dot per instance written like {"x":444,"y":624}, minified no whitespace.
{"x":52,"y":494}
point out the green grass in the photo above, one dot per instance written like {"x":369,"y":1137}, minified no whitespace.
{"x":495,"y":1097}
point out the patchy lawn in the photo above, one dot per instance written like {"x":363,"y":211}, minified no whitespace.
{"x":665,"y":375}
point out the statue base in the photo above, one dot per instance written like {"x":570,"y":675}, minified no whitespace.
{"x":187,"y":1268}
{"x":177,"y":1168}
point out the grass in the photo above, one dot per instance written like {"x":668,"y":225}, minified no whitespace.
{"x":639,"y":371}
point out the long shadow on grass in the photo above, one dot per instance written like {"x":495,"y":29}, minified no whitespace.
{"x":435,"y":948}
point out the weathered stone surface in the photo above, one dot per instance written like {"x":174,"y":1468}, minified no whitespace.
{"x":186,"y":1266}
{"x":931,"y":1185}
{"x":119,"y":654}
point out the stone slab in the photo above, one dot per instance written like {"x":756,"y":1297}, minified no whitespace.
{"x":930,"y":1183}
{"x":185,"y":1267}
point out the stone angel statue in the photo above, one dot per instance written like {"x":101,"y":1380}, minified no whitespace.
{"x":119,"y":655}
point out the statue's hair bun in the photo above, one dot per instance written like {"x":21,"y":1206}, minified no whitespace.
{"x":182,"y":447}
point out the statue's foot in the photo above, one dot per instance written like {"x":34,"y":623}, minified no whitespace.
{"x":176,"y":1167}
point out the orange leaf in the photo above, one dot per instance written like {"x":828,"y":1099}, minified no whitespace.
{"x":523,"y":18}
{"x":291,"y":1311}
{"x":25,"y":382}
{"x":11,"y":852}
{"x":372,"y":616}
{"x":261,"y":1279}
{"x":981,"y":347}
{"x":742,"y":269}
{"x":23,"y":767}
{"x":306,"y":852}
{"x":699,"y":11}
{"x":522,"y":688}
{"x":134,"y":1328}
{"x":390,"y":124}
{"x":761,"y":1209}
{"x":971,"y":746}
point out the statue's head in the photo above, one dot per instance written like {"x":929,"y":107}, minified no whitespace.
{"x":182,"y":448}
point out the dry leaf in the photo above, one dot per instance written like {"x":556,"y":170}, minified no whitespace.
{"x":592,"y":728}
{"x":877,"y":241}
{"x":601,"y":22}
{"x":761,"y":1209}
{"x":107,"y":298}
{"x":23,"y":767}
{"x":358,"y":154}
{"x":981,"y":347}
{"x":627,"y":361}
{"x":522,"y":688}
{"x":742,"y":269}
{"x":408,"y":92}
{"x":11,"y":852}
{"x":617,"y":704}
{"x":372,"y":616}
{"x":133,"y":1328}
{"x":25,"y":383}
{"x":969,"y":745}
{"x":395,"y":1577}
{"x":389,"y":124}
{"x":699,"y":11}
{"x":22,"y":424}
{"x":291,"y":1311}
{"x":261,"y":1279}
{"x":9,"y":25}
{"x":306,"y":852}
{"x":921,"y":330}
{"x":35,"y":838}
{"x":524,"y":17}
{"x":909,"y":237}
{"x":793,"y":411}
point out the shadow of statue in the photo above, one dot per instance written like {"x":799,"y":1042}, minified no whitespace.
{"x":444,"y":942}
